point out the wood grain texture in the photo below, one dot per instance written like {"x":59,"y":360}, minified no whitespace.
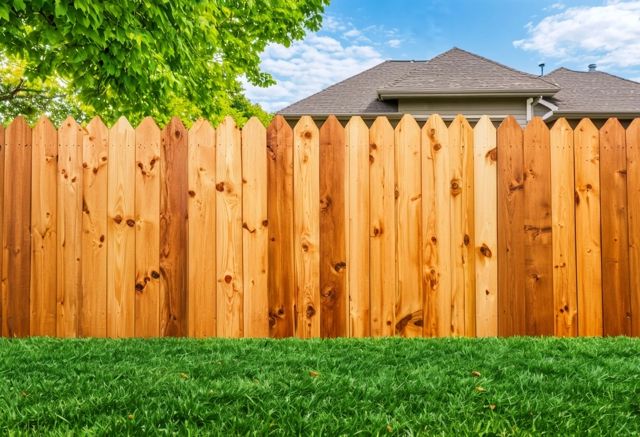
{"x":16,"y":232}
{"x":229,"y":230}
{"x":538,"y":243}
{"x":2,"y":152}
{"x":461,"y":180}
{"x":633,"y":196}
{"x":255,"y":245}
{"x":565,"y":297}
{"x":615,"y":242}
{"x":173,"y":229}
{"x":334,"y":295}
{"x":511,"y":251}
{"x":95,"y":154}
{"x":201,"y":204}
{"x":382,"y":235}
{"x":357,"y":141}
{"x":409,"y":307}
{"x":121,"y":236}
{"x":147,"y":217}
{"x":306,"y":229}
{"x":44,"y":172}
{"x":486,"y":227}
{"x":280,"y":216}
{"x":587,"y":235}
{"x":69,"y":267}
{"x":436,"y":230}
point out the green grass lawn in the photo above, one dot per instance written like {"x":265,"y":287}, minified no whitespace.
{"x":449,"y":386}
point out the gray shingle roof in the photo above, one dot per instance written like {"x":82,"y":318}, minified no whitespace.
{"x":594,"y":92}
{"x":355,"y":95}
{"x":458,"y":72}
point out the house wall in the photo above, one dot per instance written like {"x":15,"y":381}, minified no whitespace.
{"x":471,"y":108}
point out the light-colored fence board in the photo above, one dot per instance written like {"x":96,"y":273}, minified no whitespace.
{"x":202,"y":230}
{"x":563,"y":230}
{"x":439,"y":230}
{"x":486,"y":227}
{"x":95,"y":156}
{"x":382,"y":235}
{"x":615,"y":255}
{"x":44,"y":171}
{"x":357,"y":135}
{"x":229,"y":230}
{"x":16,"y":265}
{"x":587,"y":232}
{"x":280,"y":215}
{"x":436,"y":229}
{"x":69,"y":253}
{"x":255,"y":233}
{"x":306,"y":229}
{"x":147,"y":230}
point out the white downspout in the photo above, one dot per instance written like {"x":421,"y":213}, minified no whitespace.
{"x":529,"y":109}
{"x":552,"y":108}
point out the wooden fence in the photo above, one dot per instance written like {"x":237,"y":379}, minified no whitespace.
{"x":326,"y":231}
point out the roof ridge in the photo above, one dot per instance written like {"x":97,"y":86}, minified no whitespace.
{"x":591,"y":72}
{"x":335,"y":84}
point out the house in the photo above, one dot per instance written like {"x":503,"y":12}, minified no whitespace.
{"x":460,"y":82}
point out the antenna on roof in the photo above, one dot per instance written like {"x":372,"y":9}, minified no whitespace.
{"x":541,"y":65}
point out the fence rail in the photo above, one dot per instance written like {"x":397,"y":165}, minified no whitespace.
{"x":320,"y":231}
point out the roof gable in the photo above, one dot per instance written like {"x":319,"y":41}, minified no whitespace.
{"x":458,"y":72}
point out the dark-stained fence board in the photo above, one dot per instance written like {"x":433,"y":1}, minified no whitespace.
{"x":615,"y":242}
{"x":511,"y":249}
{"x":16,"y":232}
{"x":334,"y":296}
{"x":173,"y":229}
{"x":44,"y":172}
{"x":281,"y":286}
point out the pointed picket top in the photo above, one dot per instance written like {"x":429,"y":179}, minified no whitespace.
{"x":381,"y":123}
{"x":44,"y":123}
{"x":228,"y":121}
{"x":586,"y":125}
{"x":148,"y":124}
{"x":356,"y":122}
{"x":19,"y":132}
{"x":331,"y":123}
{"x":254,"y":125}
{"x":278,"y":122}
{"x":561,"y":133}
{"x":407,"y":122}
{"x":510,"y":122}
{"x":634,"y":126}
{"x":486,"y":128}
{"x":44,"y":130}
{"x":202,"y":129}
{"x":612,"y":134}
{"x":97,"y":125}
{"x":435,"y":133}
{"x":612,"y":123}
{"x":459,"y":122}
{"x":305,"y":125}
{"x":70,"y":133}
{"x":122,"y":124}
{"x":536,"y":123}
{"x":436,"y":122}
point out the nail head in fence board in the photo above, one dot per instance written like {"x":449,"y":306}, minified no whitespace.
{"x":409,"y":308}
{"x":229,"y":230}
{"x":173,"y":229}
{"x":69,"y":268}
{"x":121,"y":237}
{"x":16,"y":266}
{"x":563,"y":234}
{"x":44,"y":172}
{"x":202,"y":230}
{"x":95,"y":151}
{"x":463,"y":290}
{"x":2,"y":150}
{"x":147,"y":229}
{"x":255,"y":233}
{"x":511,"y":268}
{"x":436,"y":228}
{"x":357,"y":141}
{"x":615,"y":242}
{"x":334,"y":295}
{"x":306,"y":227}
{"x":486,"y":227}
{"x":382,"y":235}
{"x":587,"y":210}
{"x":538,"y":243}
{"x":280,"y":216}
{"x":633,"y":196}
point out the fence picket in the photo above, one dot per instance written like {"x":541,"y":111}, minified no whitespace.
{"x":633,"y":198}
{"x":2,"y":153}
{"x":44,"y":172}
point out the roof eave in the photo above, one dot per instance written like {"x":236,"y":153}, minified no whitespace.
{"x":399,"y":94}
{"x":598,"y":114}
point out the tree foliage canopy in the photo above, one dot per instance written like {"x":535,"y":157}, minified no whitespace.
{"x":151,"y":57}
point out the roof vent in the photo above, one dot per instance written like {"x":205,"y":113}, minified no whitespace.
{"x":541,"y":69}
{"x":592,"y":67}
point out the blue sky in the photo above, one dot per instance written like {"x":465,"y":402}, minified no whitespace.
{"x":358,"y":34}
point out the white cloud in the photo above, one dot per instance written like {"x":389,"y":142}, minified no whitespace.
{"x":608,"y":35}
{"x":558,"y":6}
{"x":313,"y":64}
{"x":394,"y":43}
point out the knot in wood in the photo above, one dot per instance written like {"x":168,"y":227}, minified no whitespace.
{"x":376,"y":231}
{"x":192,"y":193}
{"x":265,"y":223}
{"x":311,"y":311}
{"x":307,"y":134}
{"x":220,"y":186}
{"x":485,"y":251}
{"x":340,"y":266}
{"x":117,"y":219}
{"x":492,"y":155}
{"x":228,"y":279}
{"x":139,"y":287}
{"x":455,"y":187}
{"x":437,"y":146}
{"x":131,"y":223}
{"x":466,"y":239}
{"x":154,"y":274}
{"x":305,"y":247}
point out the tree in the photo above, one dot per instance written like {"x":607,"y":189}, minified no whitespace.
{"x":148,"y":57}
